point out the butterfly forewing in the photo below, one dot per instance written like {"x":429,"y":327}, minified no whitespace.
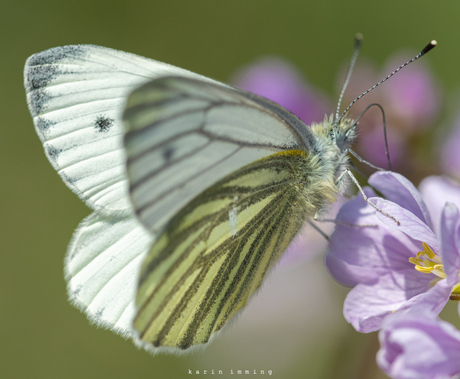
{"x":76,"y":95}
{"x":214,"y":253}
{"x":184,"y":135}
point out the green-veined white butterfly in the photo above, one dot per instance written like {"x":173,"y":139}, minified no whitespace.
{"x":193,"y":206}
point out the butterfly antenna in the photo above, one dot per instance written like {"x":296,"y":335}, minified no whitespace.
{"x":354,"y":57}
{"x":426,"y":49}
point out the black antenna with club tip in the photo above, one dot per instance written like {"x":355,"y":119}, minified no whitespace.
{"x":425,"y":50}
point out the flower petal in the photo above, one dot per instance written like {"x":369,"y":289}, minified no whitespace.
{"x":449,"y":234}
{"x":361,"y":254}
{"x":436,"y":191}
{"x":432,"y":300}
{"x":410,"y":224}
{"x":416,"y":346}
{"x":367,"y":305}
{"x":398,"y":189}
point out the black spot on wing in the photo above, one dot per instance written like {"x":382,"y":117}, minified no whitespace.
{"x":67,"y":179}
{"x":56,"y":55}
{"x":77,"y":290}
{"x":43,"y":67}
{"x":99,"y":312}
{"x":53,"y":152}
{"x":38,"y":100}
{"x":40,"y":76}
{"x":73,"y":254}
{"x":43,"y":125}
{"x":168,"y":153}
{"x":103,"y":123}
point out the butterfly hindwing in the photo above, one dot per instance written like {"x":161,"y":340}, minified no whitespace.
{"x":214,"y":254}
{"x":101,"y":268}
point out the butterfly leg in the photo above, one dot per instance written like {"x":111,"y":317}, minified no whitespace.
{"x":335,"y":221}
{"x":318,"y":229}
{"x":366,"y":199}
{"x":362,"y":160}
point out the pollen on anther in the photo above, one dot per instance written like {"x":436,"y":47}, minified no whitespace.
{"x":415,"y":261}
{"x":425,"y":270}
{"x":428,"y":251}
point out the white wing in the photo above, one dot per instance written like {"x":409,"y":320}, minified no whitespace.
{"x":102,"y":265}
{"x":76,"y":95}
{"x":183,"y":135}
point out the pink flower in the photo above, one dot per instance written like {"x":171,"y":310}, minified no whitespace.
{"x":394,"y":267}
{"x":415,"y":345}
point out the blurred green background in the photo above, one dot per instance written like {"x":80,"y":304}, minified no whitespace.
{"x":296,"y":335}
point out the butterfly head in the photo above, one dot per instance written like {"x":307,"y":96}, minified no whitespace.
{"x":343,"y":133}
{"x":339,"y":134}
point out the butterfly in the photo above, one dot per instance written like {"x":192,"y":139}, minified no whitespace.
{"x":196,"y":187}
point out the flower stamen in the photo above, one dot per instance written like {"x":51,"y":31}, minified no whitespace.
{"x":427,"y":262}
{"x":416,"y":261}
{"x":425,"y":270}
{"x":428,"y":251}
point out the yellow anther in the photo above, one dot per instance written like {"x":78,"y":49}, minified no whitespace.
{"x":415,"y":261}
{"x":428,"y":251}
{"x":425,"y":270}
{"x":427,"y":262}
